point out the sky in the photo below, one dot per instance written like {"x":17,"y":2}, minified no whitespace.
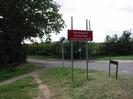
{"x":107,"y":17}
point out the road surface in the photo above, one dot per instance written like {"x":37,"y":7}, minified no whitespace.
{"x":125,"y":67}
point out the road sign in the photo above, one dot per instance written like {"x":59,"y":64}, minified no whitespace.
{"x":62,"y":39}
{"x":80,"y":35}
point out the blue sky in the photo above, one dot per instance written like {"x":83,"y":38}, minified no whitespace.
{"x":107,"y":17}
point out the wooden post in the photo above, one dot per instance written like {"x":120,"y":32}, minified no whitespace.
{"x":116,"y":71}
{"x":115,"y":63}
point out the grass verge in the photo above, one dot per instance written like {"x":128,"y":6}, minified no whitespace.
{"x":21,"y":89}
{"x":40,"y":57}
{"x":128,"y":57}
{"x":98,"y":86}
{"x":12,"y":72}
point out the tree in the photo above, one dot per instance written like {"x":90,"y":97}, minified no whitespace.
{"x":111,"y":44}
{"x":126,"y":37}
{"x":125,"y":43}
{"x":121,"y":46}
{"x":111,"y":39}
{"x":23,"y":19}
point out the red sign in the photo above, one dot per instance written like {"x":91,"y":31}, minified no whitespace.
{"x":80,"y":35}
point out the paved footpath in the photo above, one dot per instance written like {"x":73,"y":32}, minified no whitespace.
{"x":125,"y":67}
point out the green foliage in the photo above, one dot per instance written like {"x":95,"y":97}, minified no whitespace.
{"x":119,"y":46}
{"x":54,"y":50}
{"x":45,"y":49}
{"x":23,"y":19}
{"x":114,"y":45}
{"x":96,"y":49}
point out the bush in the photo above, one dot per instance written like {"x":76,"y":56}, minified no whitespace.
{"x":45,"y":49}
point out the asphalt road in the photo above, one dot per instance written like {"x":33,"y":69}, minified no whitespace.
{"x":125,"y":67}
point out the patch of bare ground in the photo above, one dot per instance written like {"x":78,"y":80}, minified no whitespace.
{"x":43,"y":89}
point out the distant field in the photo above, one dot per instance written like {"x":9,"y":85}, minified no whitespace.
{"x":98,"y":86}
{"x":21,"y":89}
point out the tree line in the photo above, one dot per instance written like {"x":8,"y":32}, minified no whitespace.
{"x":113,"y":45}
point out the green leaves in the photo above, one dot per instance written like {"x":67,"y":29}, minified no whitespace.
{"x":119,"y":46}
{"x":23,"y":19}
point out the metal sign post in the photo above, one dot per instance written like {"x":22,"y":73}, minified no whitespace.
{"x":72,"y":48}
{"x":62,"y":55}
{"x":62,"y":40}
{"x":90,"y":41}
{"x":86,"y":52}
{"x":80,"y":36}
{"x":80,"y":49}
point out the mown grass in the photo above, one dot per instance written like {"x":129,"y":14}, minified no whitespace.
{"x":126,"y":57}
{"x":41,"y":57}
{"x":15,"y":71}
{"x":21,"y":89}
{"x":98,"y":86}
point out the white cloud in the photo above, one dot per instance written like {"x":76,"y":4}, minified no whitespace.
{"x":107,"y":16}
